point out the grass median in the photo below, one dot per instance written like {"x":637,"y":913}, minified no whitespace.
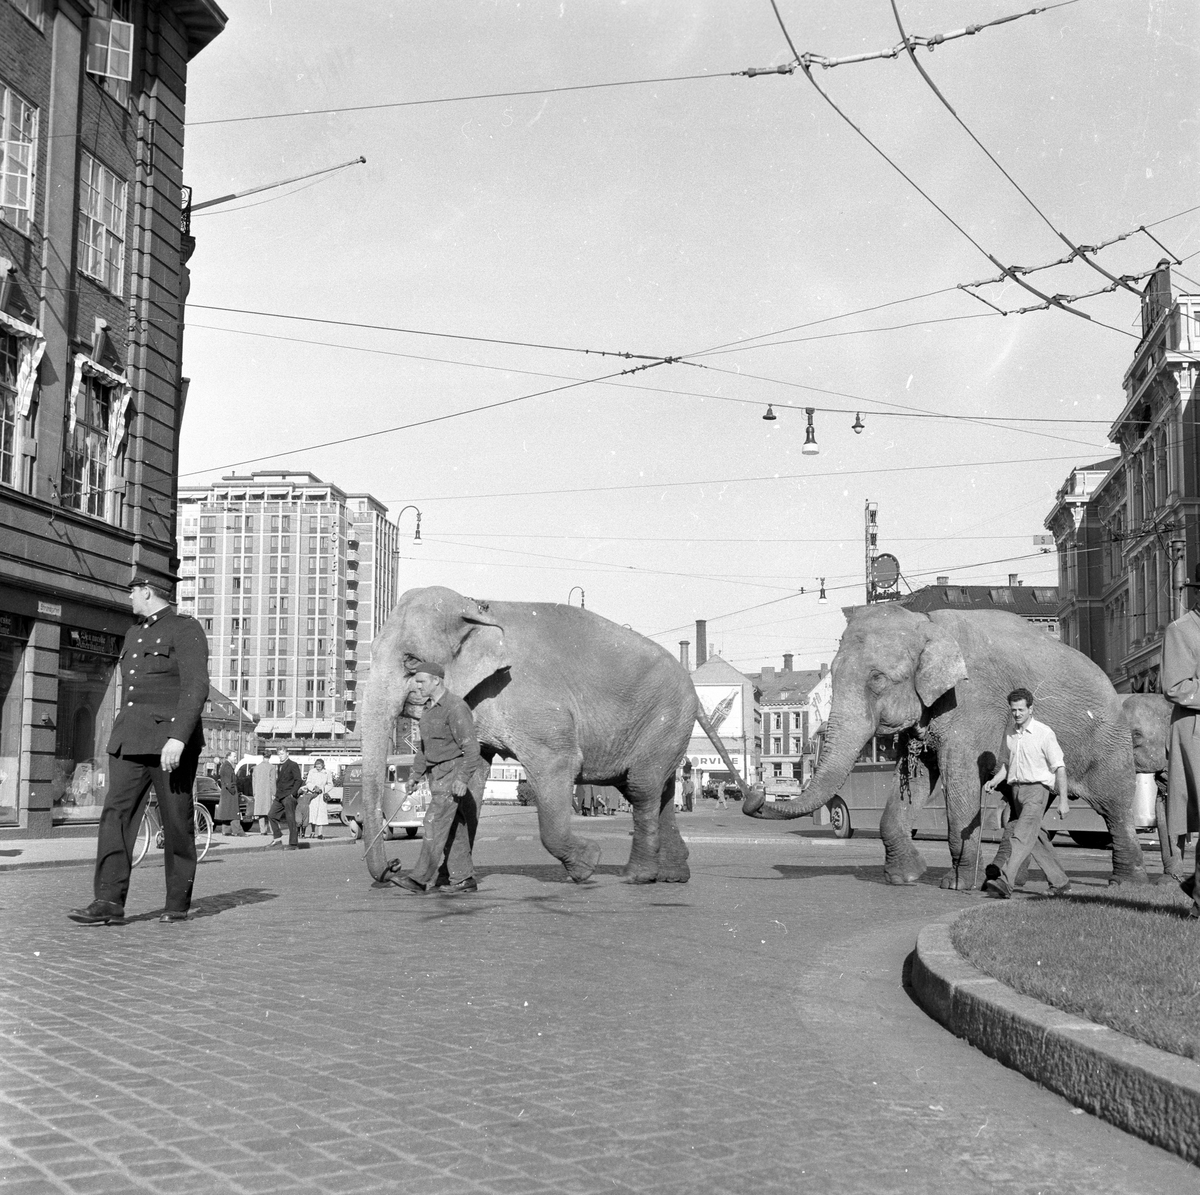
{"x":1123,"y":957}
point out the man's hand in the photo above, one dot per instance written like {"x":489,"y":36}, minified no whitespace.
{"x":458,"y":789}
{"x":989,"y":786}
{"x":1062,"y":806}
{"x":172,"y":752}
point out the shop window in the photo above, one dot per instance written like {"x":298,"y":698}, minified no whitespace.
{"x":14,"y":632}
{"x":18,"y":139}
{"x":88,"y":691}
{"x":101,"y":224}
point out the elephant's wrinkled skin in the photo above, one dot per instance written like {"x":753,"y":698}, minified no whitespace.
{"x":946,"y":674}
{"x":569,"y":694}
{"x":1149,"y":716}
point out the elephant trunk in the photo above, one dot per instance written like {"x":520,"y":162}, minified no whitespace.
{"x":847,"y":733}
{"x":377,"y":718}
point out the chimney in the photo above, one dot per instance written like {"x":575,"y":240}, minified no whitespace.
{"x":787,"y":661}
{"x":824,"y":669}
{"x":1012,"y":579}
{"x":684,"y":644}
{"x":712,"y":651}
{"x":768,"y":673}
{"x":943,"y":581}
{"x":701,"y":641}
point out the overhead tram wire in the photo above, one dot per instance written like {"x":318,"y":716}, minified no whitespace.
{"x":1076,"y":250}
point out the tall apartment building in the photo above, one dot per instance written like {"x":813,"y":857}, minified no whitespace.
{"x":1146,"y":509}
{"x":93,"y":253}
{"x":291,"y":578}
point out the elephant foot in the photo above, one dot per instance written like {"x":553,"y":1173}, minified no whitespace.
{"x":1137,"y":876}
{"x":905,"y":867}
{"x":639,"y":873}
{"x":674,"y":873}
{"x":959,"y":881}
{"x":582,"y":866}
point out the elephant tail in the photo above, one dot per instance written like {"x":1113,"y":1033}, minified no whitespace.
{"x":715,"y":739}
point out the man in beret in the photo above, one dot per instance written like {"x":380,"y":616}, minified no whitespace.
{"x":450,"y":758}
{"x":156,"y":740}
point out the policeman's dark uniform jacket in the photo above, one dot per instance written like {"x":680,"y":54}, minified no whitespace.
{"x":287,"y":785}
{"x":164,"y":675}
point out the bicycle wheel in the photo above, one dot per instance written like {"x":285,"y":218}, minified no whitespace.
{"x":148,"y":832}
{"x":204,"y":829}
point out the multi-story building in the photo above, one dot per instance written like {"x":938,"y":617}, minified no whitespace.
{"x":228,"y":726}
{"x":291,"y":578}
{"x":1147,"y":505}
{"x":791,"y":718}
{"x":1037,"y":604}
{"x":93,"y":274}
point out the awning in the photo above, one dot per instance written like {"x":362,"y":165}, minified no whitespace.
{"x":338,"y":728}
{"x":303,"y":727}
{"x":266,"y":726}
{"x":320,"y":727}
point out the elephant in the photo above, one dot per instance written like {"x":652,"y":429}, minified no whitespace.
{"x":945,"y":677}
{"x":569,"y":694}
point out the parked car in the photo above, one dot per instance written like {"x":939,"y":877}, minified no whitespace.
{"x":207,"y":791}
{"x":402,"y":810}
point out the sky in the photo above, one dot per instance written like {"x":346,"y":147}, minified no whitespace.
{"x":496,"y":239}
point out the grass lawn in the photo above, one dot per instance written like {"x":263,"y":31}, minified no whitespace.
{"x":1123,"y":957}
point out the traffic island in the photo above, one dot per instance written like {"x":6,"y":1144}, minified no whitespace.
{"x":1145,"y":1091}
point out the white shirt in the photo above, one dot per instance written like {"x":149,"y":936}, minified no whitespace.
{"x":1033,"y":754}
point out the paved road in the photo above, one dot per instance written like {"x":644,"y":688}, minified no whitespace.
{"x":747,"y":1032}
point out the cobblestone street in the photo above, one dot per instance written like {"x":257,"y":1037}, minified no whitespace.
{"x":747,"y":1032}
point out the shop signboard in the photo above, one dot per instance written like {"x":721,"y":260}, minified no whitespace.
{"x":723,"y":706}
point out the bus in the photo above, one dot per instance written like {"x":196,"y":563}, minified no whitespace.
{"x":860,"y":801}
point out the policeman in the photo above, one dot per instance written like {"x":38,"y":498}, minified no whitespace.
{"x":156,"y":740}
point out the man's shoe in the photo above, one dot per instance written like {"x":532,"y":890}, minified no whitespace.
{"x":998,"y":887}
{"x":1188,"y":886}
{"x":1063,"y":890}
{"x":173,"y":915}
{"x":275,"y":842}
{"x":99,"y":912}
{"x":408,"y":884}
{"x":467,"y":885}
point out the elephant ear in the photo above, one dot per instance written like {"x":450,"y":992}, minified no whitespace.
{"x":481,"y":651}
{"x":940,"y":667}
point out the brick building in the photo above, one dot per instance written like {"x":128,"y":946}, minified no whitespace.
{"x":791,"y":718}
{"x":291,"y":578}
{"x":93,"y":275}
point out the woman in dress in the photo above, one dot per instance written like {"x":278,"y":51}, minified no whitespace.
{"x":319,"y":783}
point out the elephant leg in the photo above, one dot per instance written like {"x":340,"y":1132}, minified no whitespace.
{"x":672,"y":850}
{"x":645,"y":791}
{"x":903,"y":863}
{"x":1128,"y":867}
{"x":962,"y":783}
{"x":554,"y":789}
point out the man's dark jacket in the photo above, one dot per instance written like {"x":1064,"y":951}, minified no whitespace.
{"x":287,"y":779}
{"x":164,"y":685}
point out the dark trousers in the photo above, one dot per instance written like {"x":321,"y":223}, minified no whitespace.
{"x":129,"y":781}
{"x":284,"y":807}
{"x":450,"y":825}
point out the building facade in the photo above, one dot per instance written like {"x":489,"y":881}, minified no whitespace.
{"x":1146,"y":506}
{"x":730,"y":699}
{"x":93,"y":275}
{"x":227,"y":727}
{"x":1037,"y":604}
{"x":791,"y":718}
{"x":291,"y":579}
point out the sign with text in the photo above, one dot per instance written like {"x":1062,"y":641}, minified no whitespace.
{"x":723,"y":706}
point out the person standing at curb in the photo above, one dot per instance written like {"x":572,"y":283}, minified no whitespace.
{"x":229,"y":811}
{"x":156,"y":740}
{"x":319,"y":783}
{"x":1032,"y":761}
{"x":449,"y":757}
{"x":1180,"y":677}
{"x":264,"y":791}
{"x":287,"y":785}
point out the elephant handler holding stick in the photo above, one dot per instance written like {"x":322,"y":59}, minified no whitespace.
{"x":450,"y":758}
{"x":1032,"y":761}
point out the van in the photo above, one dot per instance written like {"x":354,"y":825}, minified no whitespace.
{"x":402,"y":809}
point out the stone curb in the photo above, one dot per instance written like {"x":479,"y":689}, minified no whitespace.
{"x":1145,"y":1091}
{"x":216,"y":851}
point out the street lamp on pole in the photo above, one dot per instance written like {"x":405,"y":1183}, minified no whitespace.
{"x":417,"y":537}
{"x":581,"y":595}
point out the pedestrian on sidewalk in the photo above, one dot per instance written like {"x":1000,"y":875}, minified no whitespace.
{"x":1032,"y":762}
{"x":1180,"y":677}
{"x":264,"y":791}
{"x":449,"y":757}
{"x":156,"y":741}
{"x":287,"y":785}
{"x":689,"y":791}
{"x":319,"y":783}
{"x":722,"y":800}
{"x":229,"y":812}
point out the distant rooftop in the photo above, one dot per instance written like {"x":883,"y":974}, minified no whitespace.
{"x":1029,"y":601}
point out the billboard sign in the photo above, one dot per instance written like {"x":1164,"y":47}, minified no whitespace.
{"x":723,"y":706}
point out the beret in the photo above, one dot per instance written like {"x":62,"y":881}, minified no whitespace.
{"x":432,"y":669}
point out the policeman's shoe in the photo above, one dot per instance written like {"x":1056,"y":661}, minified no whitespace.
{"x":1188,"y":886}
{"x":1061,"y":890}
{"x":999,"y":887}
{"x":173,"y":915}
{"x":99,"y":912}
{"x":408,"y":884}
{"x":467,"y":885}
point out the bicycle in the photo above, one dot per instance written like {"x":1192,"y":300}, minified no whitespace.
{"x":151,"y":831}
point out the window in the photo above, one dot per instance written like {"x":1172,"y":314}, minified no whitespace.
{"x":86,"y":459}
{"x":33,"y":9}
{"x":101,"y":224}
{"x":778,"y":721}
{"x":208,"y":523}
{"x":797,"y":746}
{"x":308,"y":708}
{"x":18,"y":137}
{"x":110,"y":47}
{"x":8,"y":408}
{"x":777,"y":745}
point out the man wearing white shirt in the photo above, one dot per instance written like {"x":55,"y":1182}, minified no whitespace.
{"x":1032,"y":762}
